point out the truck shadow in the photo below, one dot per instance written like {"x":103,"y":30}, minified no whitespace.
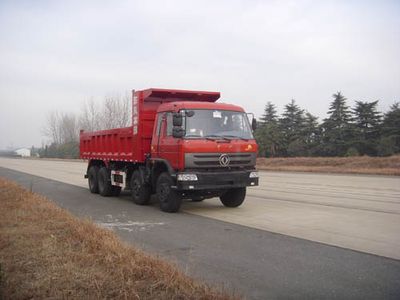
{"x":187,"y":204}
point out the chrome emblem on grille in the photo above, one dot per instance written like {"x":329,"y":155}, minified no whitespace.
{"x":224,"y":160}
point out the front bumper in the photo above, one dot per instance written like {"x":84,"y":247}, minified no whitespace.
{"x":218,"y":180}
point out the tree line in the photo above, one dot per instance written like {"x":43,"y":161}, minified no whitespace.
{"x":359,"y":130}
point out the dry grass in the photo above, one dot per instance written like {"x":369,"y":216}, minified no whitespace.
{"x":45,"y":252}
{"x":355,"y":165}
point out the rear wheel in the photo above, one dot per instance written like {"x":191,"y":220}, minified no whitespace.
{"x":140,"y":190}
{"x":233,"y":197}
{"x":92,"y":179}
{"x":170,"y":200}
{"x":104,"y":182}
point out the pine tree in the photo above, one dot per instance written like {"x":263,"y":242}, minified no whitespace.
{"x":268,"y":135}
{"x":390,"y":138}
{"x":311,"y":133}
{"x":367,"y":125}
{"x":337,"y":130}
{"x":269,"y":115}
{"x":292,"y":125}
{"x":391,"y":121}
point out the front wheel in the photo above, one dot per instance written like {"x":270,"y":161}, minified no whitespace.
{"x":140,"y":190}
{"x":233,"y":197}
{"x":170,"y":200}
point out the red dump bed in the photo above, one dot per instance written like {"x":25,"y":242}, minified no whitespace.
{"x":133,"y":143}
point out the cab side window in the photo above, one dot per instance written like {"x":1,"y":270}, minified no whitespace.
{"x":158,"y":127}
{"x":169,"y":124}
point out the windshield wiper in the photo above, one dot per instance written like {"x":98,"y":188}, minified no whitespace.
{"x":214,"y":137}
{"x":236,"y":137}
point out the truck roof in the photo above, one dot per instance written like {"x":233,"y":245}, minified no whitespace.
{"x":156,"y":93}
{"x":178,"y":105}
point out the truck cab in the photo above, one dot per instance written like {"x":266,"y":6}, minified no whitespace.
{"x":209,"y":146}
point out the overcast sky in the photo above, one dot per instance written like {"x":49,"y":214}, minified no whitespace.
{"x":56,"y":54}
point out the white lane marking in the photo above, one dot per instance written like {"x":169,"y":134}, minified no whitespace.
{"x":130,"y":225}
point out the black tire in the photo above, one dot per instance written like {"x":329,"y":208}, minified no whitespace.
{"x":104,"y":180}
{"x":92,"y":179}
{"x":140,"y":190}
{"x":170,"y":200}
{"x":233,"y":197}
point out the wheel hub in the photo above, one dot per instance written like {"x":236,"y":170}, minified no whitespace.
{"x":136,"y":188}
{"x":164,"y":191}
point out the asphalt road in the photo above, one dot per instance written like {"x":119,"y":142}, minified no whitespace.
{"x":256,"y":263}
{"x":355,"y":212}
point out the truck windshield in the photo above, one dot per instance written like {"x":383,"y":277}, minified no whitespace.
{"x":215,"y":124}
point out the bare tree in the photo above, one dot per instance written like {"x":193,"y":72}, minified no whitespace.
{"x":69,"y":128}
{"x":126,"y":110}
{"x":52,"y":128}
{"x":113,"y":112}
{"x":61,"y":128}
{"x":116,"y":112}
{"x":89,"y":119}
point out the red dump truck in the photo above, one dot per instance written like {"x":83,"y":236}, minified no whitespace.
{"x":181,"y":145}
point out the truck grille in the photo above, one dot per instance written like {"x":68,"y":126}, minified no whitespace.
{"x":213,"y":160}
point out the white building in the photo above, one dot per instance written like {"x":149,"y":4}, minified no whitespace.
{"x":24,"y":152}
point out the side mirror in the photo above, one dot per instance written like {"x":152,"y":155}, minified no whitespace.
{"x":189,"y":113}
{"x":178,"y":132}
{"x":177,"y":119}
{"x":254,"y":124}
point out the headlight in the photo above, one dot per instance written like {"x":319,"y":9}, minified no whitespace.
{"x":187,"y":177}
{"x":253,"y":175}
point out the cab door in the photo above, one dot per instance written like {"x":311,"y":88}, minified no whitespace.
{"x":169,"y":146}
{"x":156,"y":136}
